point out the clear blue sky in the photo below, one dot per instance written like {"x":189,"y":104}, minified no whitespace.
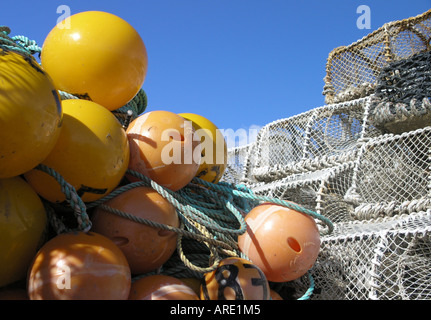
{"x":237,"y":62}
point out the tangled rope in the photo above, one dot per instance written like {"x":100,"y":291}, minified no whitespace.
{"x":19,"y":44}
{"x":210,"y":220}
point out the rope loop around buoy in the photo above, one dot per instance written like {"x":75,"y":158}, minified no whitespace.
{"x":72,"y":198}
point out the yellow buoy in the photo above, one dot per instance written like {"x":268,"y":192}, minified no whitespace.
{"x":213,"y":146}
{"x":22,"y":224}
{"x":92,"y":153}
{"x":100,"y":57}
{"x":30,"y":114}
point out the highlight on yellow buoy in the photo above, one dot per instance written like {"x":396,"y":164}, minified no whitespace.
{"x":99,"y":57}
{"x":213,"y":148}
{"x":23,"y":221}
{"x":92,"y":154}
{"x":30,"y":114}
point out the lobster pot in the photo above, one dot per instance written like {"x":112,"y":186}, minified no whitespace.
{"x":322,"y":191}
{"x":401,"y":102}
{"x":387,"y":258}
{"x":392,"y":175}
{"x":352,"y":71}
{"x":320,"y":138}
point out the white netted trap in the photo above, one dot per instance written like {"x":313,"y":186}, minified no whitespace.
{"x":386,"y":258}
{"x":392,"y":175}
{"x":373,"y":186}
{"x":352,"y":71}
{"x":320,"y":138}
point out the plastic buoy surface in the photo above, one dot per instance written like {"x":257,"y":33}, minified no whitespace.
{"x":23,"y":222}
{"x":79,"y":266}
{"x":98,"y":56}
{"x":162,"y":147}
{"x":30,"y":114}
{"x":213,"y":148}
{"x":235,"y":279}
{"x":161,"y":287}
{"x":145,"y":247}
{"x":282,"y":242}
{"x":92,"y":154}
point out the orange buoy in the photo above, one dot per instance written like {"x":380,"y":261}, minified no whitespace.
{"x":235,"y":279}
{"x":79,"y":266}
{"x":161,"y":287}
{"x":162,"y":147}
{"x":145,"y":247}
{"x":275,"y":295}
{"x":282,"y":242}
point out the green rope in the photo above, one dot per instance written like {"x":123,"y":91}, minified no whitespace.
{"x":226,"y":187}
{"x":137,"y":105}
{"x":164,"y":226}
{"x":72,"y":198}
{"x":125,"y":114}
{"x":19,"y":44}
{"x":310,"y":290}
{"x":185,"y":209}
{"x":28,"y":45}
{"x":220,"y":242}
{"x":216,"y":234}
{"x":210,"y":205}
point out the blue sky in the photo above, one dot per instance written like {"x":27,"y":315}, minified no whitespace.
{"x":239,"y":63}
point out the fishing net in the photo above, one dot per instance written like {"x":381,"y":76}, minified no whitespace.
{"x":352,"y":71}
{"x":317,"y":139}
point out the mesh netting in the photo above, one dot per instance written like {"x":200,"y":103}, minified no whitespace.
{"x":392,"y":175}
{"x":367,"y":189}
{"x":352,"y":71}
{"x":376,"y":259}
{"x":387,"y":258}
{"x":320,"y":138}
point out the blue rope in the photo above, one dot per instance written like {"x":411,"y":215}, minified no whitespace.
{"x":246,"y":193}
{"x":29,"y":45}
{"x":19,"y":44}
{"x":307,"y":295}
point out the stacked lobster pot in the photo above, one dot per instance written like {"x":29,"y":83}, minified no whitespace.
{"x":363,"y":160}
